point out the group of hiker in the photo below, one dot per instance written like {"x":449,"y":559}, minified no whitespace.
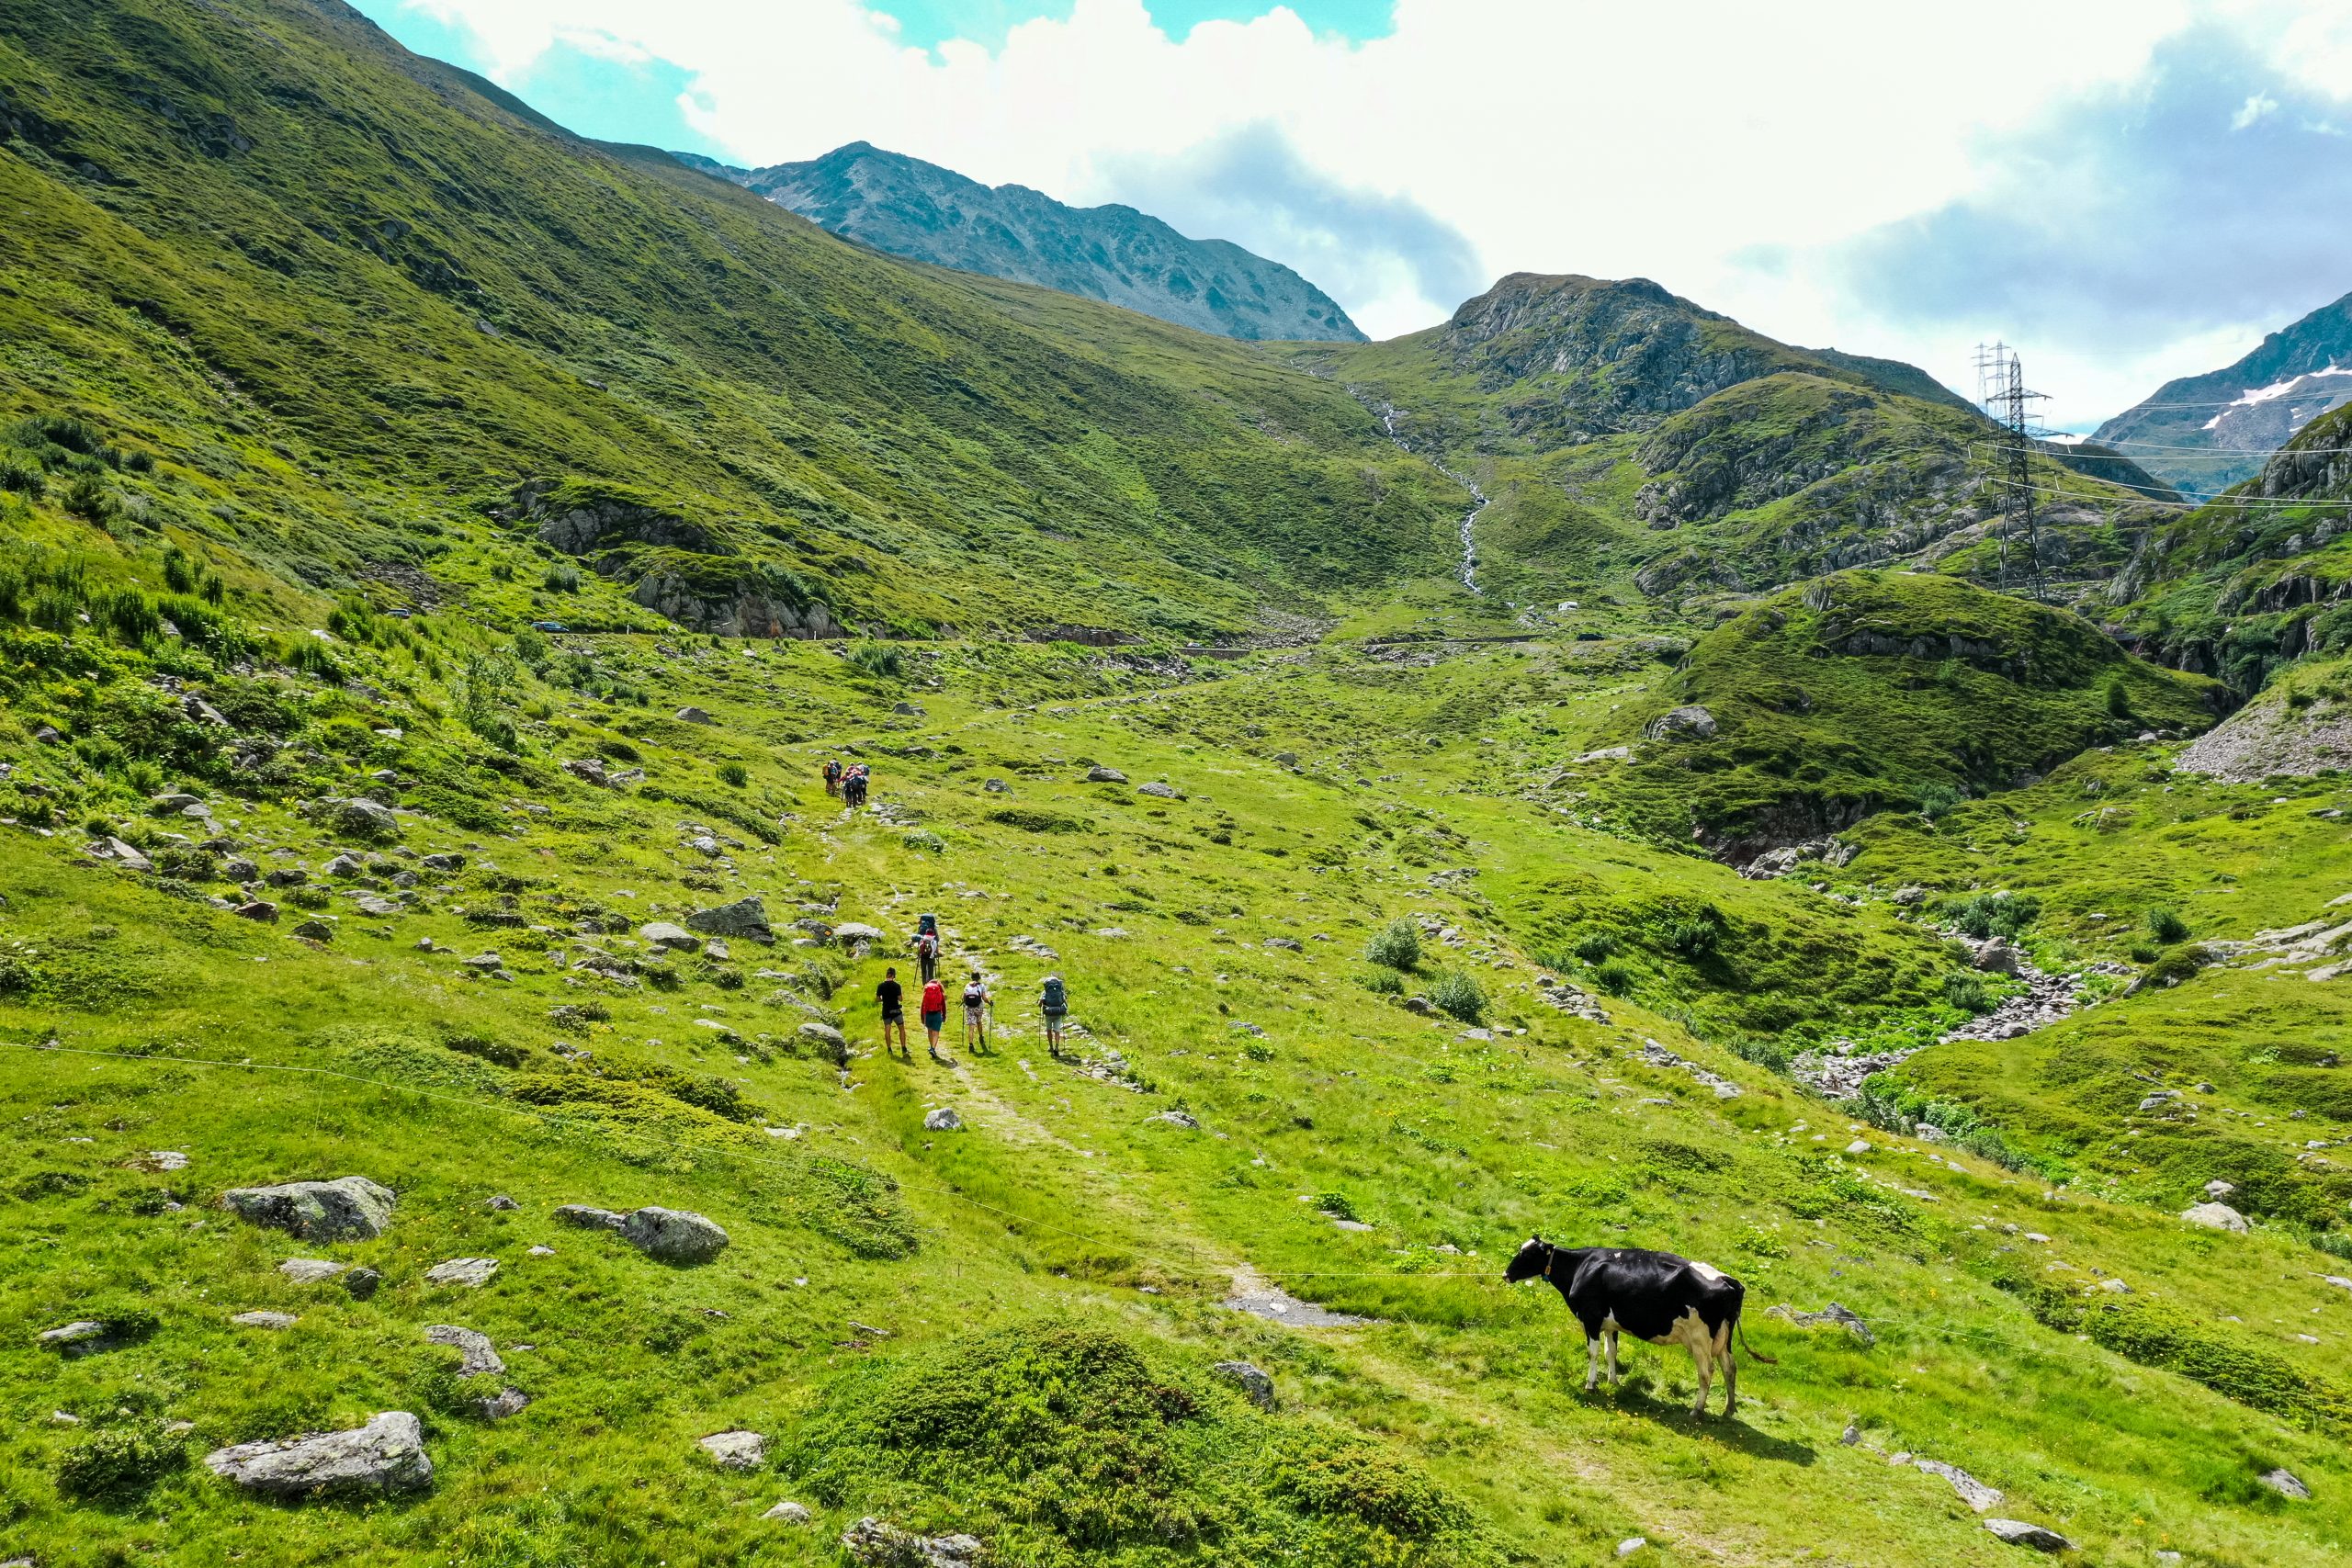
{"x":849,"y":783}
{"x":891,"y":995}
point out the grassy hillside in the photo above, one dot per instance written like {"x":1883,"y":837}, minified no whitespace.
{"x":1873,"y":691}
{"x":348,"y":306}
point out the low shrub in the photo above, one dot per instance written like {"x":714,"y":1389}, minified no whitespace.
{"x":1457,"y":995}
{"x":1396,"y":946}
{"x":1030,"y":820}
{"x":2167,"y":925}
{"x":122,"y":1462}
{"x":734,"y":775}
{"x":1987,"y":915}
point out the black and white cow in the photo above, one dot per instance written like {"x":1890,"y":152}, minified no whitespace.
{"x":1652,"y":1295}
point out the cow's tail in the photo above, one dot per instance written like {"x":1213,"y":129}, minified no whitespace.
{"x":1739,"y":1327}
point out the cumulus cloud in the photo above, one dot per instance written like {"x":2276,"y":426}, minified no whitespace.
{"x":1891,"y":178}
{"x":1386,"y":253}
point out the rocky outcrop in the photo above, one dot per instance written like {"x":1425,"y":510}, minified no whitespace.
{"x":674,"y":1236}
{"x":387,"y":1455}
{"x":2270,"y":736}
{"x":350,"y":1208}
{"x":871,"y":1544}
{"x":746,"y":918}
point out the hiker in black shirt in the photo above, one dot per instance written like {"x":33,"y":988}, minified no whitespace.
{"x":894,"y":1012}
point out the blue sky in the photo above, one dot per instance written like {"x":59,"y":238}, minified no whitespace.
{"x":2141,"y":193}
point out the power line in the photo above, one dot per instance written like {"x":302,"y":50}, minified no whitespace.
{"x":2000,"y":387}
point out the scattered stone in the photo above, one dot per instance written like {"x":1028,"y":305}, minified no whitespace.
{"x":538,"y":1251}
{"x":504,"y":1403}
{"x":2218,"y":1189}
{"x":502,"y":1202}
{"x":346,"y":865}
{"x":693,"y":715}
{"x":314,"y":930}
{"x":349,"y":1208}
{"x":2016,"y":1532}
{"x":1972,"y":1492}
{"x":237,"y":868}
{"x":581,"y":1215}
{"x":1688,"y":723}
{"x":673,"y":1236}
{"x":874,"y":1544}
{"x":360,"y":1283}
{"x":256,"y":910}
{"x":265,"y":1319}
{"x":1859,"y":1147}
{"x":1160,"y":791}
{"x":735,"y":1450}
{"x":830,"y":1042}
{"x":1997,"y":957}
{"x":943,"y":1120}
{"x":2215,"y":1217}
{"x":1833,"y":1315}
{"x":911,"y":710}
{"x":124,"y":855}
{"x":385,"y":1455}
{"x":1851,"y":1437}
{"x":467,"y":1272}
{"x":667,"y":937}
{"x":2286,"y":1484}
{"x":159,"y":1160}
{"x":367,"y":819}
{"x":1657,"y":1055}
{"x":82,"y":1339}
{"x":477,"y":1357}
{"x":1178,"y":1117}
{"x":788,"y":1513}
{"x":1251,"y":1381}
{"x":854,"y":934}
{"x":445,"y":862}
{"x":1631,"y":1544}
{"x":996,"y":786}
{"x":745,"y":918}
{"x":1101,"y":775}
{"x":1287,"y":943}
{"x":310,"y":1271}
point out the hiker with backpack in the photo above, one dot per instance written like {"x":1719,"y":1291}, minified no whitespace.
{"x":833,"y":776}
{"x":934,"y":1014}
{"x":976,"y":1020}
{"x":891,"y":995}
{"x":927,"y":946}
{"x":854,"y":785}
{"x":1054,"y":1004}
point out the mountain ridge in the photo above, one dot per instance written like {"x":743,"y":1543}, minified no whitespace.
{"x":1113,"y":253}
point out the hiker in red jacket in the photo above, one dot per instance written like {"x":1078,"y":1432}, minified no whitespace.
{"x":934,"y":1013}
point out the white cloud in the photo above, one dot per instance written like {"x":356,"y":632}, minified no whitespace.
{"x":1677,"y":143}
{"x":2256,"y":107}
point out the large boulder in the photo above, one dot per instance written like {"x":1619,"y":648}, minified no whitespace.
{"x":1688,"y":723}
{"x":349,"y":1208}
{"x":384,"y":1456}
{"x":871,"y":1544}
{"x":2018,"y":1533}
{"x":2215,"y":1217}
{"x":477,"y":1357}
{"x":735,"y":1450}
{"x":364,"y":818}
{"x":830,"y":1043}
{"x":856,"y":934}
{"x":1101,"y":775}
{"x":744,"y":918}
{"x":1251,"y":1381}
{"x":664,"y":936}
{"x":470,"y":1272}
{"x":674,"y":1236}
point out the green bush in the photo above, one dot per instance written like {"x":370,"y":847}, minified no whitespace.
{"x":1339,"y":1205}
{"x":1614,"y":978}
{"x":1595,"y":947}
{"x":2178,"y":965}
{"x":562,"y":578}
{"x":1458,"y":995}
{"x":1379,"y":982}
{"x":1968,"y":993}
{"x":1987,"y":915}
{"x":1396,"y":946}
{"x":878,"y":659}
{"x":2167,"y":925}
{"x":1938,"y":800}
{"x":734,"y":774}
{"x":1327,"y":1473}
{"x":1030,"y":819}
{"x":2117,"y":696}
{"x":120,"y":1461}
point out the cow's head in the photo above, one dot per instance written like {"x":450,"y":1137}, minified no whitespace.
{"x":1530,"y":1260}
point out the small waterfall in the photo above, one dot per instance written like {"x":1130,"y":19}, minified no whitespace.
{"x":1388,"y":412}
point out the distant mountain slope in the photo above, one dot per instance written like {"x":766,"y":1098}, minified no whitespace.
{"x":1633,"y":439}
{"x":912,"y":208}
{"x":2204,"y":434}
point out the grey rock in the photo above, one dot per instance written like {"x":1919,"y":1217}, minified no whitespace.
{"x":443,"y":862}
{"x":367,"y":819}
{"x":1177,"y":1117}
{"x":256,"y":910}
{"x":1287,"y":943}
{"x":381,"y":907}
{"x":314,"y":930}
{"x":384,"y":1456}
{"x":476,"y":1356}
{"x":1158,"y":791}
{"x":1910,"y":898}
{"x":345,"y":865}
{"x":829,"y":1041}
{"x":310,"y":1271}
{"x":237,"y":868}
{"x":360,"y":1283}
{"x":161,"y":1160}
{"x":265,"y":1319}
{"x":489,"y":962}
{"x":1972,"y":1492}
{"x":587,"y":1218}
{"x":2215,"y":1217}
{"x":1997,"y":957}
{"x":874,"y":1544}
{"x":913,"y":710}
{"x":538,"y":1252}
{"x":850,"y":933}
{"x":1688,"y":723}
{"x":79,"y":1338}
{"x":693,"y":715}
{"x":1286,"y":759}
{"x":502,"y":1204}
{"x":788,"y":1513}
{"x":674,"y":1236}
{"x":943,"y":1120}
{"x":2285,"y":1483}
{"x":745,"y":918}
{"x":735,"y":1450}
{"x":668,"y":937}
{"x":1631,"y":1544}
{"x":1833,"y":1315}
{"x":1099,"y":774}
{"x":116,"y":850}
{"x":2219,"y":1188}
{"x":504,"y":1403}
{"x":467,"y":1272}
{"x":349,"y":1208}
{"x":2016,"y":1532}
{"x":996,"y":786}
{"x":287,"y":877}
{"x":1252,"y":1382}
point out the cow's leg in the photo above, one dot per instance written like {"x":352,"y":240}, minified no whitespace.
{"x":1704,"y":1362}
{"x":1731,"y":1366}
{"x":1613,"y":1375}
{"x":1592,"y":1362}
